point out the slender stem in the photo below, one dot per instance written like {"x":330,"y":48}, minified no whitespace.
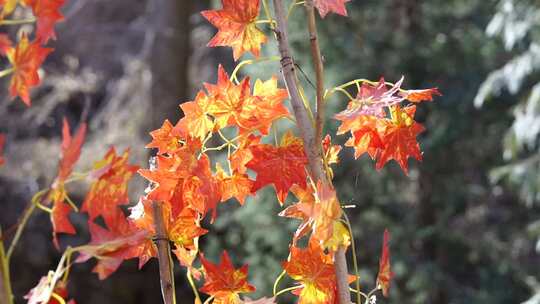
{"x":35,"y":202}
{"x":287,"y":289}
{"x":268,"y":14}
{"x":355,"y":262}
{"x":248,"y":62}
{"x":359,"y":292}
{"x":307,"y":132}
{"x":6,"y":72}
{"x":208,"y":300}
{"x":6,"y":295}
{"x":164,"y":256}
{"x":17,"y":21}
{"x":193,"y":286}
{"x":58,"y":298}
{"x":276,"y":283}
{"x":319,"y":71}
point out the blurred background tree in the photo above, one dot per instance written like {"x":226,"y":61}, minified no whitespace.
{"x":464,"y":223}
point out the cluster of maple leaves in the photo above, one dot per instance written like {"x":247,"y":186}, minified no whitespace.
{"x":26,"y":56}
{"x":229,"y":116}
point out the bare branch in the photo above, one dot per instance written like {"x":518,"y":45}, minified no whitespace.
{"x":164,"y":256}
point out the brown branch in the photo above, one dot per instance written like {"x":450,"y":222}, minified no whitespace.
{"x":304,"y":124}
{"x":164,"y":256}
{"x":311,"y":142}
{"x":319,"y":71}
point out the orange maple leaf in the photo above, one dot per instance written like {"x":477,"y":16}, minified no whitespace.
{"x":231,"y":104}
{"x":399,"y":138}
{"x":327,"y":6}
{"x":71,"y":150}
{"x":385,"y":274}
{"x":111,"y":176}
{"x":224,"y":282}
{"x":164,"y":139}
{"x":5,"y":44}
{"x":236,"y":185}
{"x":417,"y":96}
{"x":181,"y":228}
{"x":281,"y":166}
{"x":243,"y":154}
{"x":267,"y":106}
{"x":314,"y":270}
{"x":2,"y":142}
{"x":365,"y":136}
{"x":121,"y":241}
{"x":47,"y":13}
{"x":196,"y":122}
{"x":25,"y":58}
{"x":236,"y":26}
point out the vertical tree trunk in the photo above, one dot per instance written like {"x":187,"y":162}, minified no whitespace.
{"x":170,"y":58}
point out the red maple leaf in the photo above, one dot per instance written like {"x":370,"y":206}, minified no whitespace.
{"x":281,"y":166}
{"x":417,"y":96}
{"x":237,"y":185}
{"x":2,"y":142}
{"x":236,"y":26}
{"x":164,"y":139}
{"x":399,"y":138}
{"x":111,"y":176}
{"x":314,"y":271}
{"x":7,"y":7}
{"x":224,"y":282}
{"x":71,"y":150}
{"x":121,"y":241}
{"x":327,"y":6}
{"x":48,"y":14}
{"x":385,"y":274}
{"x":25,"y":58}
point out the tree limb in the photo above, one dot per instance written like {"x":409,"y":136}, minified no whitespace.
{"x":164,"y":256}
{"x":311,"y":141}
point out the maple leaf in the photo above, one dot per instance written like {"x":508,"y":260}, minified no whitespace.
{"x":2,"y":142}
{"x":236,"y":185}
{"x":25,"y":58}
{"x":399,"y":137}
{"x":164,"y":139}
{"x":169,"y":175}
{"x":201,"y":190}
{"x":417,"y":96}
{"x":224,"y":282}
{"x":122,"y":240}
{"x":281,"y":166}
{"x":181,"y":228}
{"x":268,"y":106}
{"x":5,"y":44}
{"x":314,"y":270}
{"x":243,"y":154}
{"x":366,"y":138}
{"x":110,"y":187}
{"x":47,"y":13}
{"x":196,"y":122}
{"x":236,"y":26}
{"x":302,"y":210}
{"x":327,"y":6}
{"x":385,"y":274}
{"x":71,"y":150}
{"x":231,"y":104}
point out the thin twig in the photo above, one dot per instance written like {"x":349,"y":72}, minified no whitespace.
{"x":319,"y":71}
{"x":164,"y":256}
{"x":6,"y":294}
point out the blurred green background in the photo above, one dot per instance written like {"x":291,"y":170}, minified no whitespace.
{"x":465,"y":223}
